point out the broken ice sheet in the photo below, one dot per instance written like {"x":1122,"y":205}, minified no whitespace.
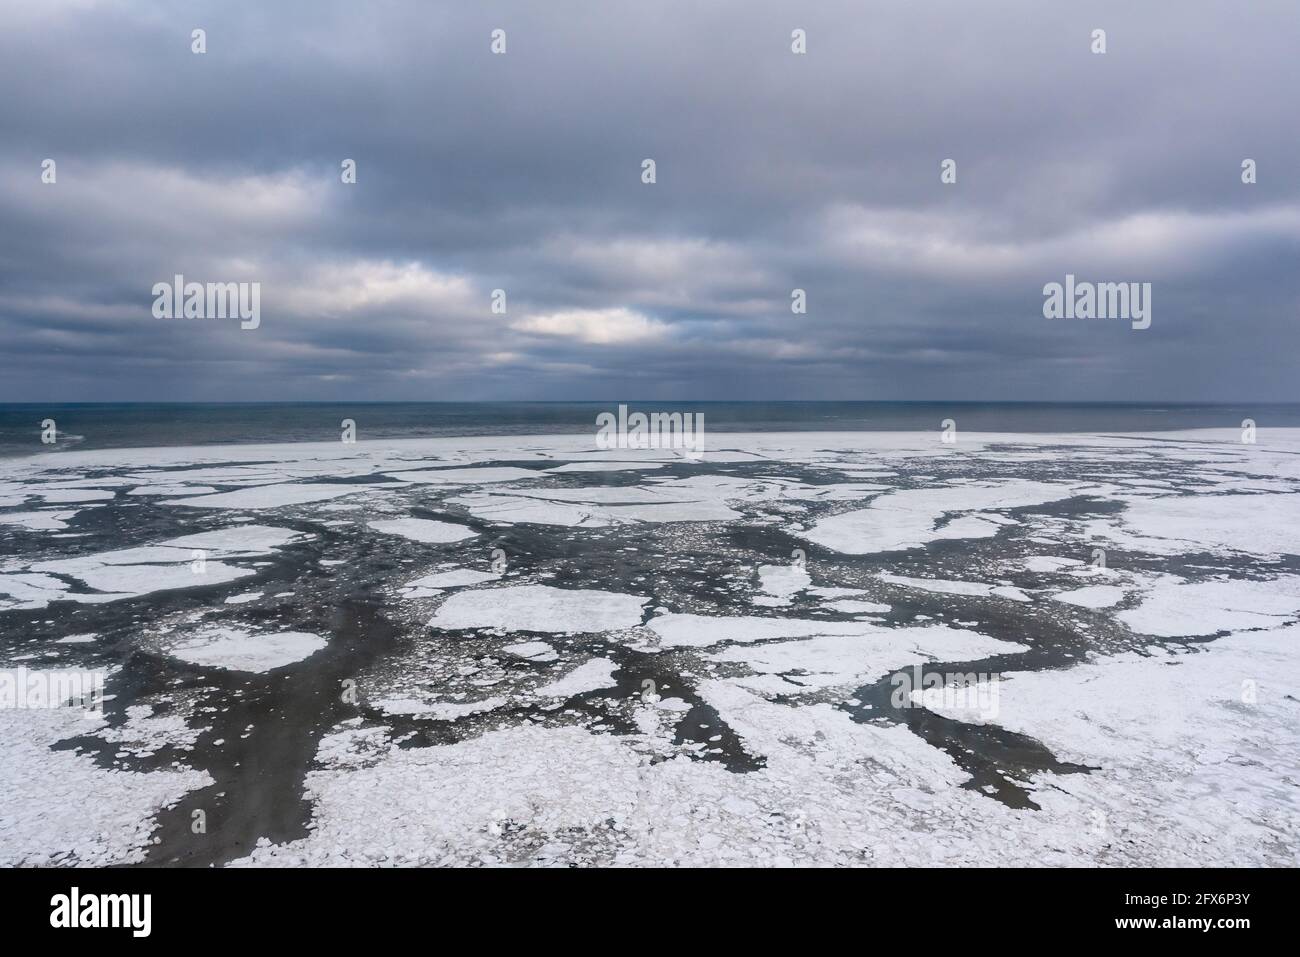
{"x":238,"y":649}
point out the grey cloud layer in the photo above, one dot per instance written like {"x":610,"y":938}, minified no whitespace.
{"x":522,"y":172}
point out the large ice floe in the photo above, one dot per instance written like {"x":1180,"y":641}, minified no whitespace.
{"x":60,"y":807}
{"x":239,"y":650}
{"x":910,"y":518}
{"x":801,"y":648}
{"x":539,"y":608}
{"x":187,"y":561}
{"x":423,"y":529}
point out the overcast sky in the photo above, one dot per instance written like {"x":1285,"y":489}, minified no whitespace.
{"x":523,"y":171}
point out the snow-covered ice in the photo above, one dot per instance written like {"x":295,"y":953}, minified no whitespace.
{"x":237,"y":649}
{"x":423,"y":530}
{"x":539,"y":608}
{"x":667,"y":670}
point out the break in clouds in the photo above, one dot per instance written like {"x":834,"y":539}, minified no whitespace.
{"x":523,"y":172}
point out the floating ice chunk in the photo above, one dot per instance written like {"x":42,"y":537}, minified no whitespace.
{"x":61,"y":808}
{"x":701,"y":631}
{"x":532,"y":650}
{"x":593,"y":509}
{"x":1049,"y":563}
{"x":467,"y":476}
{"x":421,"y":592}
{"x":673,"y":704}
{"x":1094,"y":596}
{"x":272,"y":496}
{"x":851,"y":606}
{"x":455,"y":578}
{"x":589,"y":676}
{"x":238,"y":541}
{"x":55,"y":496}
{"x":29,"y":591}
{"x":1193,"y":757}
{"x":243,"y":598}
{"x":910,"y":518}
{"x":607,"y":466}
{"x":238,"y":650}
{"x":783,"y":581}
{"x":834,"y":592}
{"x":945,"y":587}
{"x":46,"y":521}
{"x":871,"y":652}
{"x":448,"y":803}
{"x":539,"y":608}
{"x":102,"y":482}
{"x":169,"y":565}
{"x":1267,"y":524}
{"x":163,"y":489}
{"x":440,"y":710}
{"x":145,"y":732}
{"x":143,"y":555}
{"x":697,"y":499}
{"x":423,"y":530}
{"x":130,"y":581}
{"x":1175,"y":609}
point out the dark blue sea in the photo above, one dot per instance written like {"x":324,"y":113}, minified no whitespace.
{"x":127,"y":425}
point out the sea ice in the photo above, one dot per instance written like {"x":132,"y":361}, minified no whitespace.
{"x":539,"y":608}
{"x":239,"y":650}
{"x":423,"y":530}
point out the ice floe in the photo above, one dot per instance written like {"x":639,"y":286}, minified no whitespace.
{"x":438,"y":710}
{"x":591,"y":675}
{"x":236,"y":649}
{"x":46,"y":521}
{"x":852,"y":606}
{"x":911,"y":518}
{"x":1190,"y":750}
{"x":867,"y":652}
{"x":423,"y":530}
{"x":539,"y":608}
{"x":466,"y":476}
{"x":531,"y":650}
{"x":946,"y":587}
{"x":607,"y":467}
{"x":271,"y":496}
{"x":454,"y":578}
{"x":189,"y":561}
{"x":780,"y":583}
{"x":1092,"y":596}
{"x":61,"y":807}
{"x":1261,"y":524}
{"x":1173,"y":608}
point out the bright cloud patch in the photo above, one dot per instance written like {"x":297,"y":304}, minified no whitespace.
{"x":595,"y":326}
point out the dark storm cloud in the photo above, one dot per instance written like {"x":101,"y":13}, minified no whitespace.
{"x":522,"y":172}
